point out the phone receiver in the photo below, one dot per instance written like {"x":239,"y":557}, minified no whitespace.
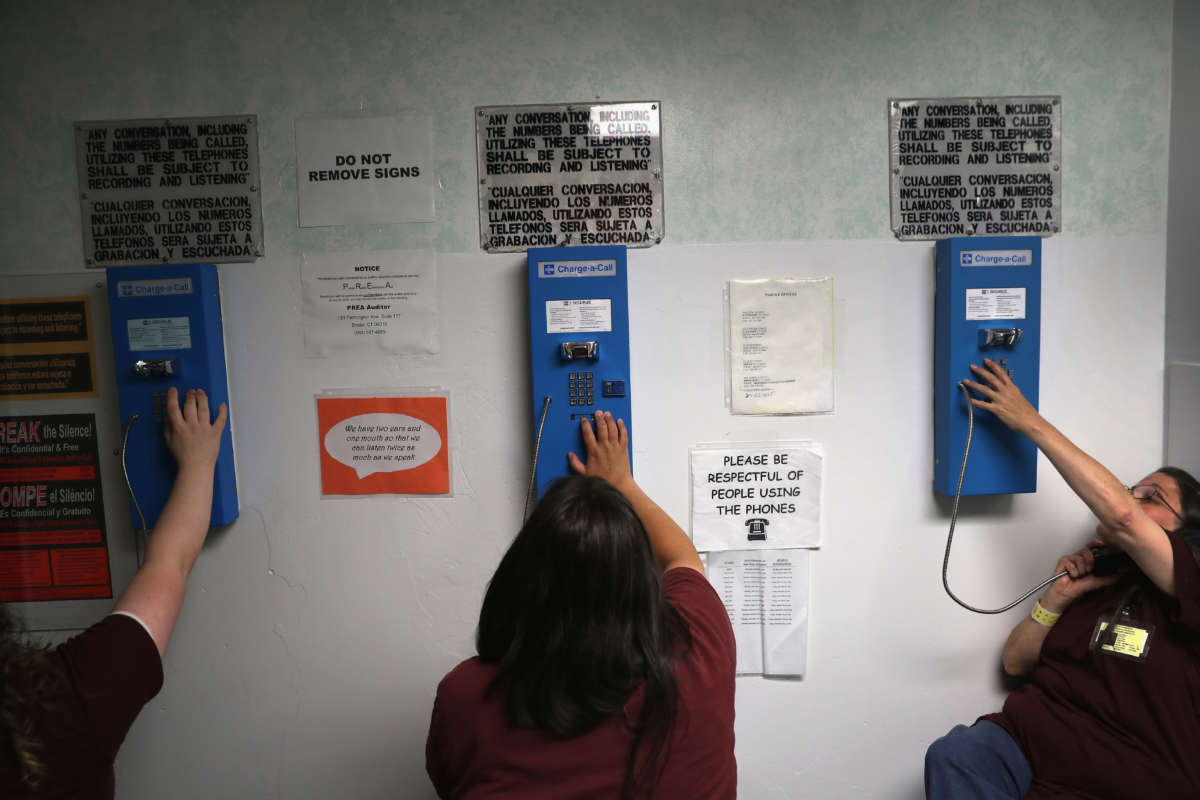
{"x":1109,"y":560}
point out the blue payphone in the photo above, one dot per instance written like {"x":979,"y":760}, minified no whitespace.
{"x":167,"y":331}
{"x":579,"y":347}
{"x":988,"y":305}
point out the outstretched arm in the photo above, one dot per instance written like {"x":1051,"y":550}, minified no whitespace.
{"x":156,"y":592}
{"x":607,"y":451}
{"x":1123,"y":523}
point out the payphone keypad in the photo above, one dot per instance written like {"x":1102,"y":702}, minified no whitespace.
{"x":582,"y":388}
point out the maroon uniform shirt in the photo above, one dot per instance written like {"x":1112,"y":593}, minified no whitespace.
{"x":110,"y":671}
{"x":1096,"y":725}
{"x":473,"y":752}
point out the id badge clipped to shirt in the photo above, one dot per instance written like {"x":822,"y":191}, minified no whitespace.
{"x":1130,"y":638}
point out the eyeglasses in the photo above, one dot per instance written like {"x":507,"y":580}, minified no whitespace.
{"x":1146,"y":492}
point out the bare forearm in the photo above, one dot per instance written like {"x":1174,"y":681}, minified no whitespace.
{"x":1023,"y":647}
{"x":671,"y":546}
{"x":1096,"y":486}
{"x":183,"y":523}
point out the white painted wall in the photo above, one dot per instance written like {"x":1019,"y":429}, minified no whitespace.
{"x":315,"y":632}
{"x":1181,"y":432}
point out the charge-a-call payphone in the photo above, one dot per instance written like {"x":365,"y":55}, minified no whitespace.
{"x":988,"y":305}
{"x":167,"y":332}
{"x":579,"y":347}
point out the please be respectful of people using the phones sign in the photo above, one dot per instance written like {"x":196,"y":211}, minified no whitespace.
{"x":756,"y":496}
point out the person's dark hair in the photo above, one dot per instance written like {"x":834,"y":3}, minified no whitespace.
{"x":28,"y":685}
{"x":1189,"y":497}
{"x":575,"y":620}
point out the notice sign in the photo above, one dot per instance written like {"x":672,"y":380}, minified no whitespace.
{"x":383,"y":445}
{"x":46,"y":349}
{"x":781,"y":346}
{"x":365,"y":170}
{"x":553,"y":175}
{"x":52,"y":536}
{"x":169,"y":191}
{"x":975,"y":166}
{"x":756,"y":497}
{"x":382,"y":302}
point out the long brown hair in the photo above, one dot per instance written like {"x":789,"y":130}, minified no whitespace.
{"x":28,"y":684}
{"x":575,"y":621}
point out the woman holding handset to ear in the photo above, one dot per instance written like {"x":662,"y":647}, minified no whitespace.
{"x":1111,"y":705}
{"x":606,"y":660}
{"x":64,"y":712}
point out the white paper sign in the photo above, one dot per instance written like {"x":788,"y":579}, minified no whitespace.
{"x":765,"y":594}
{"x":383,"y":302}
{"x":781,"y":346}
{"x":365,"y":170}
{"x":579,"y":316}
{"x":1004,"y":303}
{"x":756,"y":496}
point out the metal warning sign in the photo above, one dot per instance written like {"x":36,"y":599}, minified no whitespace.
{"x":988,"y":166}
{"x":169,"y":191}
{"x":555,"y":175}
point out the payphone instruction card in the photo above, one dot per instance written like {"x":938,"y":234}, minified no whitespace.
{"x":765,"y":594}
{"x":756,"y":496}
{"x":383,"y":303}
{"x":781,"y":346}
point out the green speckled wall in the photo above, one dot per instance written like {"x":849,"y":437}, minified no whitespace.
{"x":774,"y":115}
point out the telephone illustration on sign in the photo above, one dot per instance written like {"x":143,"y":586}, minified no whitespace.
{"x":579,"y":349}
{"x":758,"y":529}
{"x":167,"y":332}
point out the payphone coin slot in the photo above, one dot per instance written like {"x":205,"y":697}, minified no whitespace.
{"x":999,"y":337}
{"x":156,"y":368}
{"x":572,"y":351}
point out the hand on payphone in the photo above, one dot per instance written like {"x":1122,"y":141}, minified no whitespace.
{"x":191,"y":437}
{"x":1002,"y":397}
{"x":606,"y":449}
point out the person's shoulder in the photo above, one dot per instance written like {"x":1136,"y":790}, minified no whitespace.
{"x":467,"y":682}
{"x":684,"y":584}
{"x":119,"y":639}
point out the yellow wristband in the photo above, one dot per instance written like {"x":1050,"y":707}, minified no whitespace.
{"x":1043,"y":617}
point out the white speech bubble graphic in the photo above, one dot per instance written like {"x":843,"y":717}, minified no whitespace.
{"x":370,"y":443}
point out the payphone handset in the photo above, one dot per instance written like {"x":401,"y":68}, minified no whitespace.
{"x":579,"y":348}
{"x":167,"y":331}
{"x":988,"y":305}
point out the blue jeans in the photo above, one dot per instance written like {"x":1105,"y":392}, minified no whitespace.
{"x":977,"y":763}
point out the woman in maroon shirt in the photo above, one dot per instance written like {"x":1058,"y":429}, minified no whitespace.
{"x":606,"y":660}
{"x":1111,"y":705}
{"x":64,"y":712}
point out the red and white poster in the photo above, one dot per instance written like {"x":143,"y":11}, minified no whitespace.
{"x":52,"y":537}
{"x":383,"y":445}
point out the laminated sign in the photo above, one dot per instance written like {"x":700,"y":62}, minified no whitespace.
{"x":975,"y":166}
{"x":577,"y":174}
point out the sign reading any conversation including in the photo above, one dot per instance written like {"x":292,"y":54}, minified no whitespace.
{"x":579,"y":173}
{"x":963,"y":166}
{"x":169,"y":191}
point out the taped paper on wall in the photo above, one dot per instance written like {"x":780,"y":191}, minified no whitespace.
{"x":383,"y":303}
{"x":780,"y":346}
{"x":756,"y":495}
{"x":765,"y":594}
